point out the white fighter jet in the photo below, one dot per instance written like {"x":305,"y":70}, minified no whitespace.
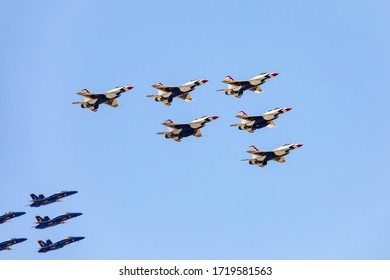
{"x":251,"y":123}
{"x":177,"y":131}
{"x":166,"y":94}
{"x":93,"y":100}
{"x":237,"y":87}
{"x":260,"y":158}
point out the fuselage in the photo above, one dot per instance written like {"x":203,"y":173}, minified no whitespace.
{"x":51,"y":199}
{"x":57,"y":220}
{"x":6,"y":244}
{"x":59,"y":244}
{"x":10,"y":215}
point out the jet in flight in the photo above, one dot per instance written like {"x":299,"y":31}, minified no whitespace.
{"x":5,"y":245}
{"x":261,"y":158}
{"x":251,"y":123}
{"x":237,"y":87}
{"x":42,"y":200}
{"x":6,"y":217}
{"x":165,"y":94}
{"x":46,"y":222}
{"x":177,"y":131}
{"x":50,"y":246}
{"x":93,"y":100}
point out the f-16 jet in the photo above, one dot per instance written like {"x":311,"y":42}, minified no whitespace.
{"x":6,"y":217}
{"x":50,"y":246}
{"x":261,"y":158}
{"x":177,"y":131}
{"x":166,"y":94}
{"x":42,"y":200}
{"x":5,"y":245}
{"x":46,"y":222}
{"x":93,"y":100}
{"x":237,"y":87}
{"x":251,"y":123}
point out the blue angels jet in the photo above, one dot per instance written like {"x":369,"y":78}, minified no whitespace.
{"x":50,"y":246}
{"x":42,"y":200}
{"x":10,"y":215}
{"x":5,"y":245}
{"x":46,"y":222}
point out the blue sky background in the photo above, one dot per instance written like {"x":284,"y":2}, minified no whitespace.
{"x":146,"y":197}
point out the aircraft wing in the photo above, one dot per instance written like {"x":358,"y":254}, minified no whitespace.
{"x":249,"y":118}
{"x":165,"y":88}
{"x":261,"y":153}
{"x":112,"y":103}
{"x":235,"y":82}
{"x":88,"y":94}
{"x":186,"y":97}
{"x":176,"y":125}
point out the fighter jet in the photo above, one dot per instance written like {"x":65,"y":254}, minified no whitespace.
{"x":260,"y":158}
{"x":251,"y":123}
{"x":165,"y":94}
{"x":42,"y":200}
{"x":237,"y":87}
{"x":7,"y":216}
{"x":177,"y":131}
{"x":50,"y":246}
{"x":5,"y":245}
{"x":93,"y":100}
{"x":46,"y":222}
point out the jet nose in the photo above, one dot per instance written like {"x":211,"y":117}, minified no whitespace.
{"x":288,"y":109}
{"x":275,"y":74}
{"x":299,"y":145}
{"x":77,"y":214}
{"x":129,"y":87}
{"x":214,"y":117}
{"x":80,"y":238}
{"x":204,"y":81}
{"x":22,"y":239}
{"x":73,"y":192}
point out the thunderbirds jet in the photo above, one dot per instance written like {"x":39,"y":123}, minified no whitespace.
{"x":93,"y":100}
{"x":50,"y":246}
{"x":237,"y":87}
{"x":260,"y":158}
{"x":46,"y":222}
{"x":42,"y":200}
{"x":5,"y":245}
{"x":251,"y":123}
{"x":10,"y":215}
{"x":165,"y":94}
{"x":177,"y":131}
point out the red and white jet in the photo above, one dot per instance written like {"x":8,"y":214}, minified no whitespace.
{"x":166,"y":94}
{"x":237,"y":87}
{"x":251,"y":123}
{"x":260,"y":158}
{"x":93,"y":100}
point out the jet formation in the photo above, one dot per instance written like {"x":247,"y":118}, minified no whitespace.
{"x":177,"y":131}
{"x":261,"y":158}
{"x":251,"y":123}
{"x":93,"y":100}
{"x":237,"y":87}
{"x":42,"y":200}
{"x":165,"y":94}
{"x":50,"y":246}
{"x":6,"y":217}
{"x":5,"y":245}
{"x":46,"y":222}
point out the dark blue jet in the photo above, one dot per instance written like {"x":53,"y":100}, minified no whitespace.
{"x":46,"y":222}
{"x":5,"y":245}
{"x":10,"y":215}
{"x":42,"y":200}
{"x":50,"y":246}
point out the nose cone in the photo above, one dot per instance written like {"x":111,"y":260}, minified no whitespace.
{"x":22,"y":239}
{"x":275,"y":74}
{"x":79,"y":238}
{"x":287,"y":109}
{"x":299,"y":145}
{"x":129,"y":87}
{"x":204,"y":81}
{"x":77,"y":214}
{"x":214,"y":117}
{"x":72,"y":192}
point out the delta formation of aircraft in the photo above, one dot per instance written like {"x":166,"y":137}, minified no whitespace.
{"x":177,"y":131}
{"x":42,"y":200}
{"x":5,"y":245}
{"x":50,"y":246}
{"x":7,"y":216}
{"x":46,"y":222}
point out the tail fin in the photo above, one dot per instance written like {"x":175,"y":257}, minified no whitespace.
{"x":85,"y":91}
{"x":48,"y":242}
{"x":33,"y":196}
{"x":157,"y":85}
{"x":39,"y":219}
{"x":41,"y":196}
{"x":41,"y":243}
{"x":228,"y":79}
{"x":253,"y":148}
{"x":242,"y":113}
{"x":168,"y":121}
{"x":46,"y":218}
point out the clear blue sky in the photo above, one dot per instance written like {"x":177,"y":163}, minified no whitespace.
{"x":146,"y":197}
